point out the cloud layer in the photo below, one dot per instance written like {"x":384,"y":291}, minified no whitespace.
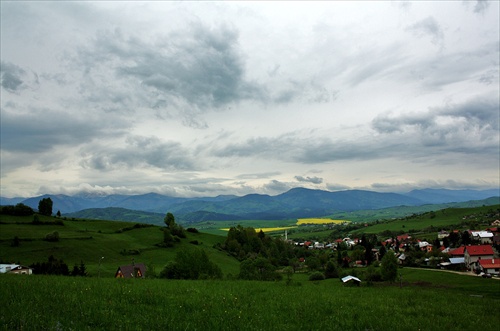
{"x":237,"y":98}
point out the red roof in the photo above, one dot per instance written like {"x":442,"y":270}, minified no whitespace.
{"x":479,"y":250}
{"x":458,"y":251}
{"x":490,"y":263}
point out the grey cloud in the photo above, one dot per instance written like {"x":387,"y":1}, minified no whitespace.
{"x":200,"y":66}
{"x":470,"y":127}
{"x":139,"y":152}
{"x":275,"y":186}
{"x":313,"y":180}
{"x":481,"y":6}
{"x":42,"y":130}
{"x":428,"y":27}
{"x":11,"y":76}
{"x":337,"y":187}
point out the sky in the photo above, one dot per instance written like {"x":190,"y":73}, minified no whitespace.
{"x":208,"y":98}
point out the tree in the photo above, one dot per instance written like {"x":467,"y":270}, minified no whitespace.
{"x":169,"y":220}
{"x":58,"y":214}
{"x":191,"y":264}
{"x":258,"y":269}
{"x":331,"y":270}
{"x":389,"y":267}
{"x":45,"y":206}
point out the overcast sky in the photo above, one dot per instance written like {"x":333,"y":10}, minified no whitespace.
{"x":209,"y":98}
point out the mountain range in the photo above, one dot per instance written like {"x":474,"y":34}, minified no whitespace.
{"x":295,"y":203}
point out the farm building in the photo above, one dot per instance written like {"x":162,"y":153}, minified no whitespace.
{"x":348,"y":279}
{"x":15,"y":269}
{"x":478,"y":252}
{"x":490,"y":266}
{"x":136,"y":270}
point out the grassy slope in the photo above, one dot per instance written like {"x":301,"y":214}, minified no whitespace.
{"x":88,"y":241}
{"x":442,"y":218}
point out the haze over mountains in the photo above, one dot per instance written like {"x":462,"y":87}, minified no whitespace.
{"x":295,"y":203}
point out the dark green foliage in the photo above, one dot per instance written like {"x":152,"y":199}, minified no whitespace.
{"x":53,"y":236}
{"x":191,"y":264}
{"x":17,"y":210}
{"x":168,"y":239}
{"x":174,"y":228}
{"x":258,"y":269}
{"x":313,"y":263}
{"x":331,"y":270}
{"x":80,"y":270}
{"x":372,"y":274}
{"x":45,"y":206}
{"x":58,"y":214}
{"x":315,"y":276}
{"x":52,"y":267}
{"x":389,"y":267}
{"x":192,"y":230}
{"x":244,"y":242}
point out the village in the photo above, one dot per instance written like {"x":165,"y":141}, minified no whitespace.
{"x":469,"y":251}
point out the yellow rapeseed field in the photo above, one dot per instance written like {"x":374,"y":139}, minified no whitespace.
{"x":301,"y":221}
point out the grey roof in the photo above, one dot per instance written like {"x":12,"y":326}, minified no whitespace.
{"x":349,"y":278}
{"x":457,"y":260}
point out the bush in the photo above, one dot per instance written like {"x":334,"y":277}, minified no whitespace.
{"x":258,"y":269}
{"x":192,"y":230}
{"x":54,"y":236}
{"x":316,"y":276}
{"x":191,"y":265}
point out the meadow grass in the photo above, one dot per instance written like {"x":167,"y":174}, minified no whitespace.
{"x":87,"y":241}
{"x":428,"y":301}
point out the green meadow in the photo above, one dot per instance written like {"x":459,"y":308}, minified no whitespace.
{"x":427,"y":300}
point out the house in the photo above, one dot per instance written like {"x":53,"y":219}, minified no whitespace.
{"x":484,"y":237}
{"x":455,"y":263}
{"x":135,"y":270}
{"x":443,"y":234}
{"x":457,"y":252}
{"x":425,"y":246}
{"x":490,"y":266}
{"x":496,"y":223}
{"x":478,"y":252}
{"x":15,"y":269}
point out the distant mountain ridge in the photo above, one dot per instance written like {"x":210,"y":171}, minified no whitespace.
{"x":295,"y":203}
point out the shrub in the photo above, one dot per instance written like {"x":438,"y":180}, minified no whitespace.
{"x":258,"y":269}
{"x":54,"y":236}
{"x":192,"y":230}
{"x":316,"y":276}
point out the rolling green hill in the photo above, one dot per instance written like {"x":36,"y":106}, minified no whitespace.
{"x":88,"y":240}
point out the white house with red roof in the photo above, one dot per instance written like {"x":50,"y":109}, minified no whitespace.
{"x":490,"y":266}
{"x":477,"y":252}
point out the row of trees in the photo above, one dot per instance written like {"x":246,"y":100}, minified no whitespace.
{"x":54,"y":266}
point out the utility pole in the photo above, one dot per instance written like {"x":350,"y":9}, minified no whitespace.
{"x":99,"y":269}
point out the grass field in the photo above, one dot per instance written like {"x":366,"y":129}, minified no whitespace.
{"x":319,"y":221}
{"x":88,"y":241}
{"x":428,"y":301}
{"x":441,"y":218}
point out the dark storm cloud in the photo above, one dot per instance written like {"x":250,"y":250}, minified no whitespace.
{"x":313,"y":180}
{"x":200,"y":66}
{"x":139,"y":152}
{"x":42,"y":130}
